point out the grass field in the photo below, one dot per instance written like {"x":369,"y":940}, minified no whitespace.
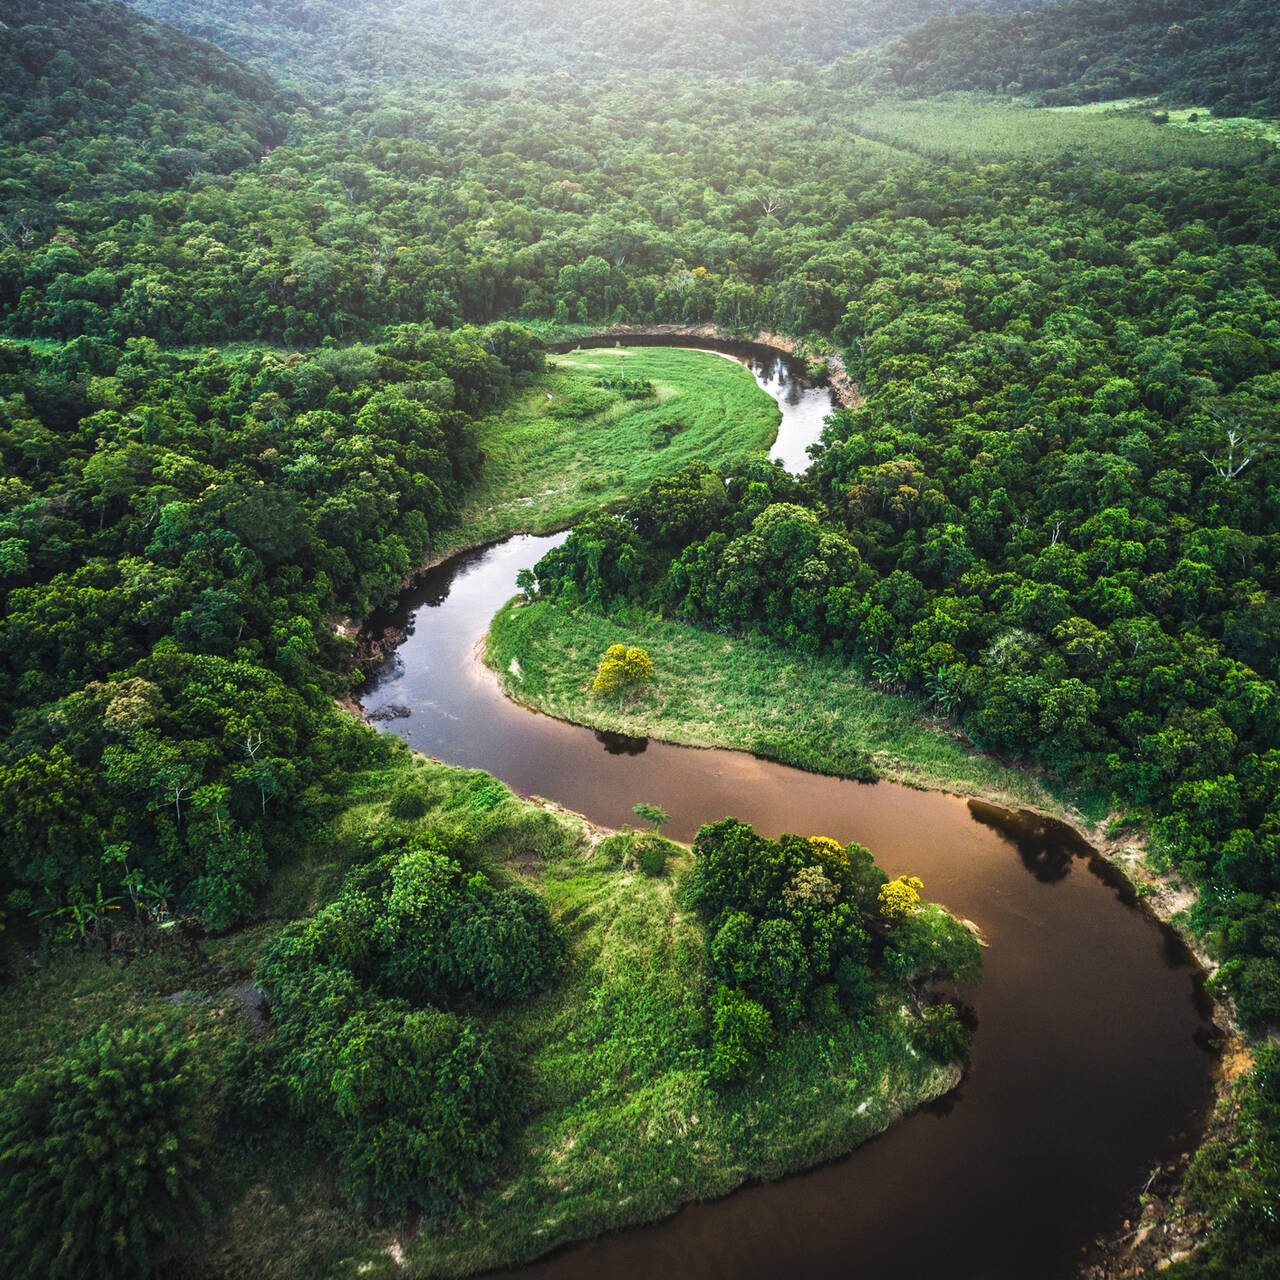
{"x":624,"y":1126}
{"x":1200,"y":119}
{"x":564,"y":446}
{"x":720,"y":691}
{"x":971,"y":128}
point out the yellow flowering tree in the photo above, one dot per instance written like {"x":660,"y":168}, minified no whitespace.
{"x":900,"y":897}
{"x":621,"y":668}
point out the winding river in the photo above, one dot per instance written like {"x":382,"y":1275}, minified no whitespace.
{"x":1089,"y":1064}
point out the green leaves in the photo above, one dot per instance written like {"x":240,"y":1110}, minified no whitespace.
{"x":417,"y":1101}
{"x":100,"y":1154}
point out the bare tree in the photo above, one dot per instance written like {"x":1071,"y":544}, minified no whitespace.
{"x":1249,"y":431}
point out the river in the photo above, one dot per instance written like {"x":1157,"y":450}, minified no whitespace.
{"x":1089,"y":1063}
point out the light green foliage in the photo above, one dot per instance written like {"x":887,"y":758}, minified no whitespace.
{"x":931,"y":942}
{"x":563,"y":446}
{"x":741,"y":1036}
{"x":100,"y":1154}
{"x":734,"y":691}
{"x":622,"y":669}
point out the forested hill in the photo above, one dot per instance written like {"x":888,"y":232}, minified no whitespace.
{"x":96,"y":100}
{"x":1223,"y":54}
{"x":345,"y":43}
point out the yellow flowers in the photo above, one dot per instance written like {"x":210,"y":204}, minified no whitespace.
{"x":621,"y":668}
{"x":900,"y":897}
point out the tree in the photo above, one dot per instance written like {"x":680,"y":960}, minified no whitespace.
{"x":100,"y":1153}
{"x":621,"y":669}
{"x":900,"y":897}
{"x":651,"y":813}
{"x":741,"y":1035}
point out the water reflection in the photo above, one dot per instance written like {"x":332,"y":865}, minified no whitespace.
{"x":621,"y":744}
{"x":1047,"y":849}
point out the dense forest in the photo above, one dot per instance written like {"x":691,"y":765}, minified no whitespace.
{"x":343,"y":42}
{"x":256,"y":297}
{"x":1220,"y":54}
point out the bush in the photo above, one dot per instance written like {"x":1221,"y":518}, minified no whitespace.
{"x":505,"y":947}
{"x":415,"y":1100}
{"x":410,"y":800}
{"x":741,"y":1035}
{"x":653,"y":857}
{"x":99,"y":1154}
{"x":621,"y":669}
{"x":941,"y":1035}
{"x":420,"y":1103}
{"x":824,"y":1006}
{"x":900,"y":897}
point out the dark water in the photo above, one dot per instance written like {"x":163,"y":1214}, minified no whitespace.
{"x":1088,"y":1065}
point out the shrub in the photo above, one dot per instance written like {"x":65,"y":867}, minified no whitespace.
{"x":900,"y":897}
{"x":643,"y":850}
{"x":741,"y":1035}
{"x":941,"y":1035}
{"x":410,"y":800}
{"x":420,"y":1103}
{"x":99,"y":1153}
{"x":621,"y":669}
{"x":505,"y":947}
{"x":824,"y":1006}
{"x":653,"y":857}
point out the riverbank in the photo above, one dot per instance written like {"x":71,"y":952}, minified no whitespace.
{"x":574,"y":441}
{"x":744,"y":693}
{"x":716,"y":691}
{"x":624,"y":1127}
{"x":824,"y":363}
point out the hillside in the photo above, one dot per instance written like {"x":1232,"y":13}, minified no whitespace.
{"x":1224,"y":54}
{"x":345,"y":44}
{"x":96,"y":100}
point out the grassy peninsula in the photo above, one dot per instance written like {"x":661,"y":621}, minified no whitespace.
{"x":599,"y":426}
{"x":746,"y":693}
{"x":623,"y":1124}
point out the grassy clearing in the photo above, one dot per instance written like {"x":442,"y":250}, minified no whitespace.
{"x":719,"y":691}
{"x":1200,"y":119}
{"x":970,"y":128}
{"x":624,"y":1126}
{"x":564,"y":447}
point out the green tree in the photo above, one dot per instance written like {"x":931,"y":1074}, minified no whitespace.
{"x":100,"y":1154}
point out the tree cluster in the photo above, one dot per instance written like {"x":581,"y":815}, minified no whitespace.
{"x":382,"y":1042}
{"x":794,"y":928}
{"x":178,"y":534}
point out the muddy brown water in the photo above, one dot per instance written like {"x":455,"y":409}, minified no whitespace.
{"x":1090,"y":1060}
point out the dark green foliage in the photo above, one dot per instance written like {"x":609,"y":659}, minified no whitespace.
{"x":741,"y":1036}
{"x":417,"y":1101}
{"x":1224,"y":54}
{"x":167,"y":652}
{"x":787,"y":937}
{"x":1053,"y":521}
{"x":941,"y":1035}
{"x":100,"y":1152}
{"x":1239,"y":1190}
{"x":97,"y":102}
